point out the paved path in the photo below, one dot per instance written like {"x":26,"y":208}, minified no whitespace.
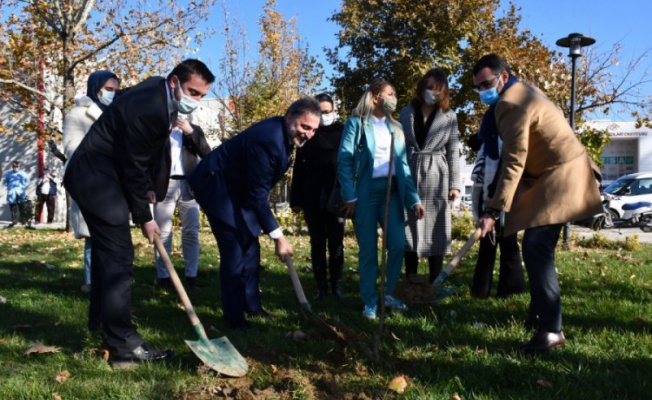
{"x":614,"y":234}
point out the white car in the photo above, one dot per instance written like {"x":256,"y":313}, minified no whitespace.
{"x":628,"y":189}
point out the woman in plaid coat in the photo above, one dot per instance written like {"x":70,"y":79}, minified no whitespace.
{"x":432,"y":141}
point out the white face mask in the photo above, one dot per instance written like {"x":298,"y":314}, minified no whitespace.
{"x":106,"y":97}
{"x":431,"y":97}
{"x":327,"y":119}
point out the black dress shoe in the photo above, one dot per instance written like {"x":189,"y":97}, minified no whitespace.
{"x":243,"y":326}
{"x":139,"y":355}
{"x":544,"y":341}
{"x":191,"y":283}
{"x":260,"y":313}
{"x":164,"y":283}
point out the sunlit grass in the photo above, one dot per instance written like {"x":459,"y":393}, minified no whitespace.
{"x":463,"y":346}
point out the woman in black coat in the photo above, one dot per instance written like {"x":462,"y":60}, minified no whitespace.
{"x":313,"y":179}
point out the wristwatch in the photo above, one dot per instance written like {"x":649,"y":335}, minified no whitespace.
{"x":493,"y":213}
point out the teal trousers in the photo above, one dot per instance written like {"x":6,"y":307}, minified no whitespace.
{"x":368,"y":217}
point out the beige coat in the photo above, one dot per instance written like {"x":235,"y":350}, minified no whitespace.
{"x":75,"y":126}
{"x":546,"y":175}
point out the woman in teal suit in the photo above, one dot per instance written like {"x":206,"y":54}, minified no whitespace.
{"x":363,"y":167}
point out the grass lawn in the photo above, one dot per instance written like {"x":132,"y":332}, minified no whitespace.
{"x":462,"y":347}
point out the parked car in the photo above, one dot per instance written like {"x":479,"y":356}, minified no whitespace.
{"x":628,"y":189}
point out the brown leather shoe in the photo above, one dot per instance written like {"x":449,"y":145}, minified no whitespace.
{"x":544,"y":341}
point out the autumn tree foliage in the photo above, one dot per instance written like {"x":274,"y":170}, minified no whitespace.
{"x":48,"y":48}
{"x":401,"y":39}
{"x":283,"y":70}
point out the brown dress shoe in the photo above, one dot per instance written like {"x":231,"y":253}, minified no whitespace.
{"x":544,"y":341}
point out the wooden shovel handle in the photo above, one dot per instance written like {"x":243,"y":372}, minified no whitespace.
{"x":194,"y":320}
{"x":458,"y":256}
{"x":298,"y":289}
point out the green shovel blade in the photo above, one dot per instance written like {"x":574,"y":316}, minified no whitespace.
{"x":220,"y":355}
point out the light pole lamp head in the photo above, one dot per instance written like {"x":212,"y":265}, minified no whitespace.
{"x":575,"y":42}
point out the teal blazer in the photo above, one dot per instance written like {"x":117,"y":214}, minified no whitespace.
{"x":356,"y":185}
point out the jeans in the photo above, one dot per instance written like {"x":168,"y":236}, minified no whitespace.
{"x":87,"y":261}
{"x":179,"y":194}
{"x":539,"y":245}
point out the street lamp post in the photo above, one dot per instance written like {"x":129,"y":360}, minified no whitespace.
{"x":574,"y":42}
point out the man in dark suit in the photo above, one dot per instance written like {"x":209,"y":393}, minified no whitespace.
{"x":121,"y":166}
{"x":232,"y":185}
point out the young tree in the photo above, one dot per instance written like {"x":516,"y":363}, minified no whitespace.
{"x":255,"y":89}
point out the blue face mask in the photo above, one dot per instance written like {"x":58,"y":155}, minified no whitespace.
{"x":489,"y":96}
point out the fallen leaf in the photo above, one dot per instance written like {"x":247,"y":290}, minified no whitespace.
{"x":181,"y":307}
{"x":39,"y":348}
{"x":3,"y":300}
{"x":298,"y":336}
{"x":395,"y":337}
{"x":56,"y":396}
{"x":102,"y":353}
{"x":399,"y":384}
{"x":274,"y":369}
{"x":544,"y":383}
{"x":456,"y":397}
{"x":62,"y":376}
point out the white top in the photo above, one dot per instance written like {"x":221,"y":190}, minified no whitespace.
{"x":382,"y":151}
{"x":176,"y":145}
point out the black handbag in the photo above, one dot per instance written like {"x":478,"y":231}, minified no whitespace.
{"x":335,"y":203}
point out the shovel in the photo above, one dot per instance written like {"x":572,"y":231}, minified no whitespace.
{"x":441,"y":291}
{"x":316,"y":320}
{"x":218,"y":354}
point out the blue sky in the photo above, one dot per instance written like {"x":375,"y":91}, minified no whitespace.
{"x":627,"y":21}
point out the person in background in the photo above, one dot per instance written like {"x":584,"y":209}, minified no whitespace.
{"x":511,"y":280}
{"x":101,"y":88}
{"x":432,"y":141}
{"x":546,"y":179}
{"x":313,"y":178}
{"x":122,"y":166}
{"x":232,"y":185}
{"x":46,"y":194}
{"x":364,"y":175}
{"x":187,"y":143}
{"x":16,"y":181}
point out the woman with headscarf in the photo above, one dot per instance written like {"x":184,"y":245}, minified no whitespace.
{"x":100,"y":90}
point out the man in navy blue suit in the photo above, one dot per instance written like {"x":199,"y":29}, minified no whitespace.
{"x":232,"y":185}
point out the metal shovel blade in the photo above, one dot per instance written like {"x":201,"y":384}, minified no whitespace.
{"x":220,"y":355}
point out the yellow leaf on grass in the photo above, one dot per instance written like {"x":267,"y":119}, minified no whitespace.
{"x":39,"y":348}
{"x":274,"y":369}
{"x":56,"y":396}
{"x":62,"y":376}
{"x":399,"y":384}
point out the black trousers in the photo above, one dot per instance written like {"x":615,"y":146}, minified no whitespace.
{"x":112,"y":258}
{"x":539,"y":245}
{"x":49,"y":201}
{"x":510,"y":278}
{"x":326,"y":232}
{"x":239,"y":270}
